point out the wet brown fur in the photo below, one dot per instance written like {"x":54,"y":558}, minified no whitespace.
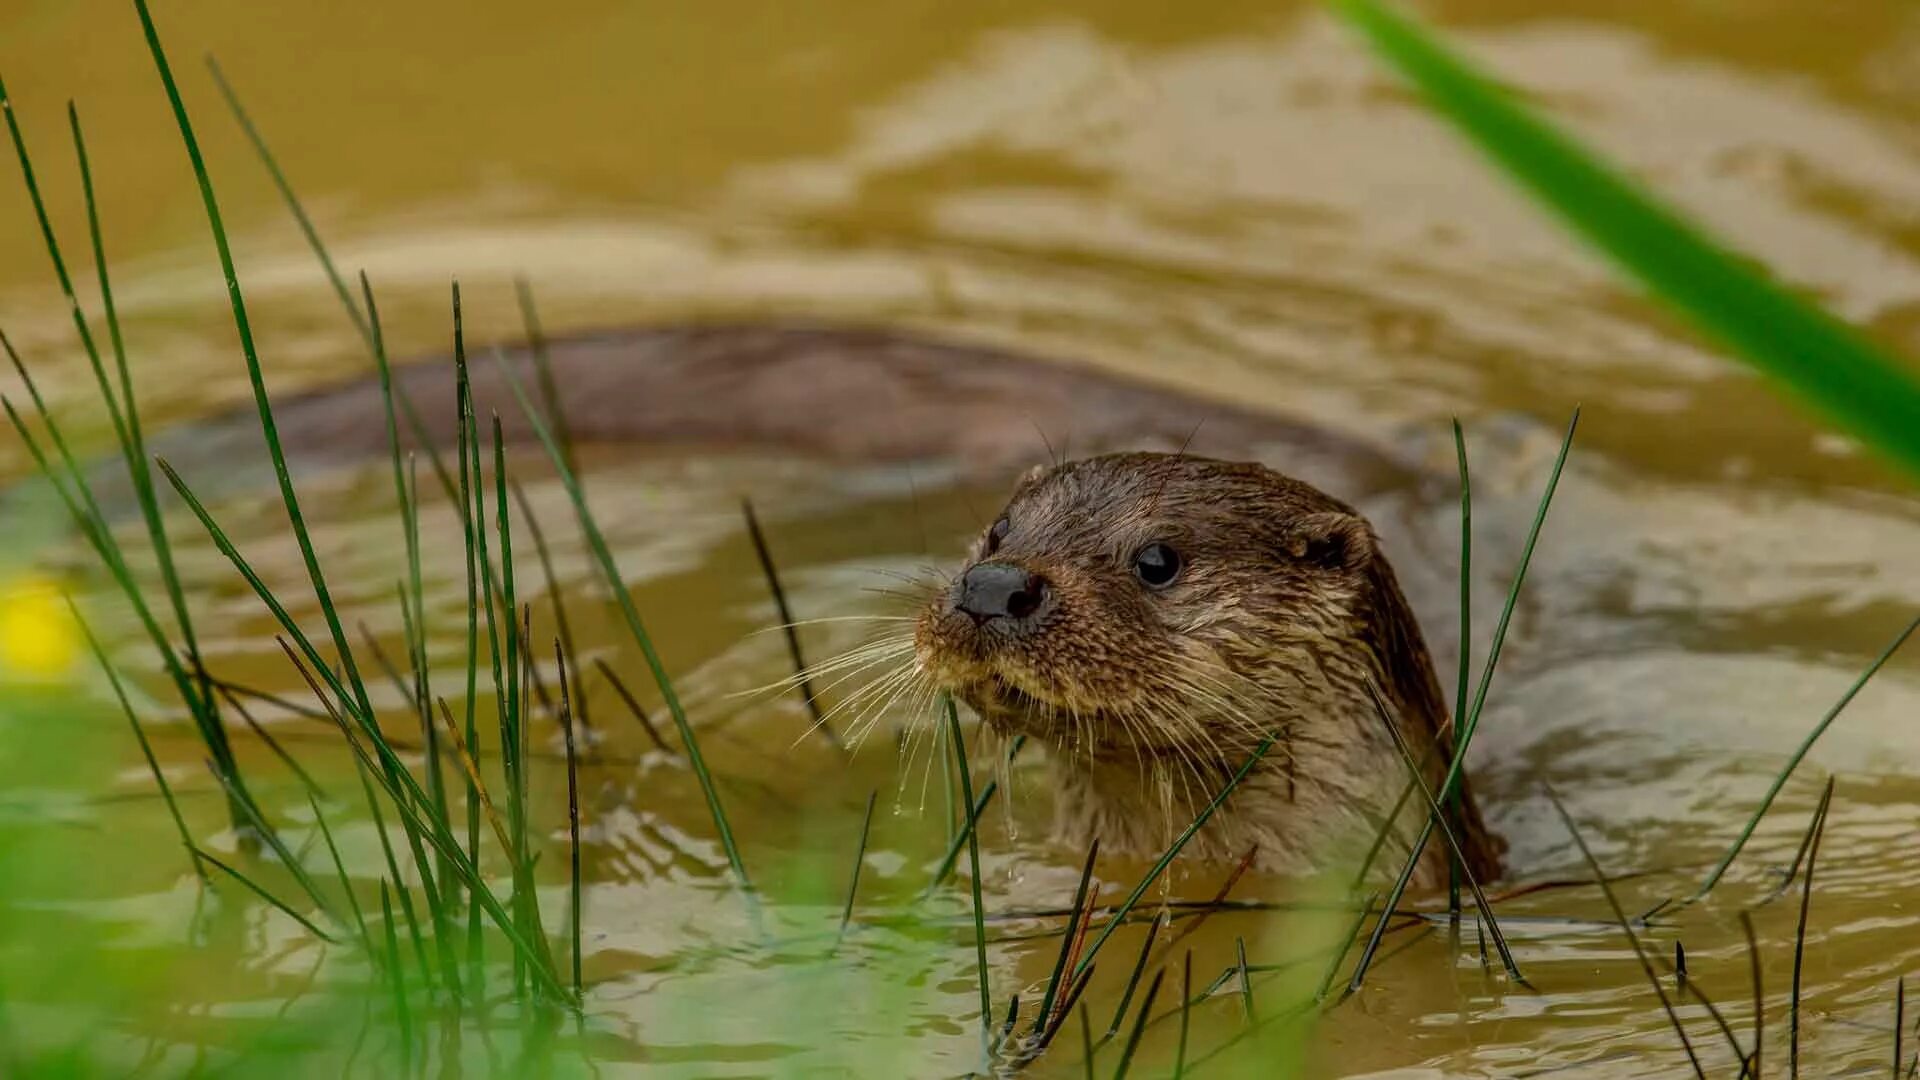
{"x":1150,"y":698}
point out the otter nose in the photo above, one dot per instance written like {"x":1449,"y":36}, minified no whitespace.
{"x":993,"y":590}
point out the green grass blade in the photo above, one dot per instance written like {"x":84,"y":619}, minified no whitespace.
{"x":1166,"y":858}
{"x":1800,"y":940}
{"x":272,"y":744}
{"x":280,"y":850}
{"x":1046,"y":1017}
{"x":519,"y":648}
{"x":859,"y":859}
{"x":1626,"y":927}
{"x":1346,"y":946}
{"x":366,"y":324}
{"x":134,"y":446}
{"x":396,"y":970}
{"x":1823,"y":361}
{"x":617,"y":586}
{"x":340,"y":872}
{"x":959,"y":843}
{"x":792,"y":633}
{"x":406,"y":496}
{"x":1465,"y":648}
{"x":556,"y":599}
{"x":1139,"y":1026}
{"x":1246,"y":980}
{"x":1438,"y":814}
{"x":263,"y":894}
{"x":543,"y":371}
{"x":1806,"y":744}
{"x":462,"y":406}
{"x":1133,"y":977}
{"x":140,"y":735}
{"x":1464,"y":729}
{"x":1899,"y":1023}
{"x":632,"y":704}
{"x":255,"y":376}
{"x":1186,"y":1009}
{"x":196,"y":697}
{"x":973,"y":857}
{"x":1759,"y":994}
{"x":405,"y":793}
{"x":1086,"y":1042}
{"x":573,"y":813}
{"x":1806,"y":844}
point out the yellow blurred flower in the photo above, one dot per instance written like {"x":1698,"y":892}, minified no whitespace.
{"x":38,"y":638}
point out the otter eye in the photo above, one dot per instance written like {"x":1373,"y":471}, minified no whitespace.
{"x":998,"y":533}
{"x":1156,"y":565}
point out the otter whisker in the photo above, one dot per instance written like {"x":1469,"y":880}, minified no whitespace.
{"x":886,"y":691}
{"x":862,"y":697}
{"x":892,"y":647}
{"x":797,"y":623}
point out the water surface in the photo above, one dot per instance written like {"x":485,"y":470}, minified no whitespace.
{"x":1231,"y":199}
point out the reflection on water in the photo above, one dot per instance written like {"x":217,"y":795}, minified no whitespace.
{"x":1232,"y":200}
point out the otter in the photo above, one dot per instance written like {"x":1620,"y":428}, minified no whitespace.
{"x":1152,"y":617}
{"x":1276,"y":602}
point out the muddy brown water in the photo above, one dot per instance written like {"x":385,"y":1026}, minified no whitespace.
{"x":1231,"y":199}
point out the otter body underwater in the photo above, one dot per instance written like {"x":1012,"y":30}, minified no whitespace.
{"x":1150,"y":613}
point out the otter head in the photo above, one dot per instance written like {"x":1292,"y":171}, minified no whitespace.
{"x":1155,"y":604}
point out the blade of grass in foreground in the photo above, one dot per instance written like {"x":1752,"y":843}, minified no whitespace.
{"x":973,"y":857}
{"x":366,"y":323}
{"x":1823,"y":361}
{"x":267,"y":896}
{"x":1045,"y":1018}
{"x":1465,"y":648}
{"x":146,"y":749}
{"x":1159,"y":867}
{"x":1139,"y":1026}
{"x":573,"y":811}
{"x":1439,"y":815}
{"x":134,"y":447}
{"x":384,"y":765}
{"x":859,"y":859}
{"x":1465,"y":728}
{"x":1626,"y":927}
{"x":616,"y":584}
{"x":122,"y":411}
{"x":792,"y":632}
{"x":959,"y":841}
{"x":360,"y":704}
{"x":1186,"y":1007}
{"x":1806,"y":744}
{"x":1800,"y":943}
{"x":1759,"y":994}
{"x":1806,"y":842}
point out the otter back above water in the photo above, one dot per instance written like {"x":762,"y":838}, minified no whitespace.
{"x":842,"y":394}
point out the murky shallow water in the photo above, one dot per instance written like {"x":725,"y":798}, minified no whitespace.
{"x":1232,"y":200}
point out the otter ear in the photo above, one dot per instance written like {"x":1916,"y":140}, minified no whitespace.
{"x":1331,"y":541}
